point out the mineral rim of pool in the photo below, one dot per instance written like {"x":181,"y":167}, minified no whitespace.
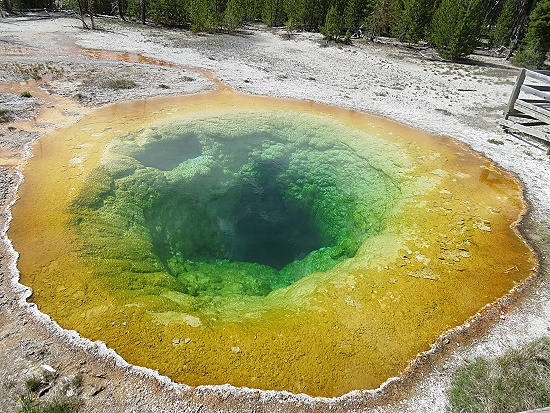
{"x":268,"y":243}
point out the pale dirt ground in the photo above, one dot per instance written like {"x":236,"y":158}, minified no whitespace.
{"x":463,"y":101}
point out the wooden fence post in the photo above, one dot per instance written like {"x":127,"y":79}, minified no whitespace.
{"x":515,"y":93}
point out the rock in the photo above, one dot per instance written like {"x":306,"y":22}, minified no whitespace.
{"x":48,"y":369}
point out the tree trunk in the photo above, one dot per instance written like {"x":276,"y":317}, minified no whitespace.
{"x":120,"y":9}
{"x":91,"y":11}
{"x":81,"y":14}
{"x":7,"y":5}
{"x":142,"y":10}
{"x":117,"y":9}
{"x":524,"y":8}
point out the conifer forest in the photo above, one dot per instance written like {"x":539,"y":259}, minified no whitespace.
{"x":516,"y":28}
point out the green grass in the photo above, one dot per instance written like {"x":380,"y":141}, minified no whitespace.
{"x":61,"y":406}
{"x":33,"y":384}
{"x":32,"y":401}
{"x":517,"y":381}
{"x":26,"y":94}
{"x":31,"y":404}
{"x":495,"y":141}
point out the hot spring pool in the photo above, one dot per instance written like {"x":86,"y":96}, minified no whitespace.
{"x":268,"y":243}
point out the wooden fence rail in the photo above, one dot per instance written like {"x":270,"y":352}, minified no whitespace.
{"x":528,"y":110}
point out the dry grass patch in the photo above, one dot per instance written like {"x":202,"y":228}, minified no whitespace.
{"x":119,"y":84}
{"x":4,"y":116}
{"x":515,"y":382}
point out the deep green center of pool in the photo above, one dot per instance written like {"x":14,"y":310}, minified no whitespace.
{"x":242,"y":203}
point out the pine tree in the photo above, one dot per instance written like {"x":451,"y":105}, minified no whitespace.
{"x":273,"y":13}
{"x":493,"y":8}
{"x":536,"y":44}
{"x":294,"y":10}
{"x":234,"y":15}
{"x":253,"y":9}
{"x":199,"y":14}
{"x":502,"y":35}
{"x":157,"y":10}
{"x":456,"y":27}
{"x":379,"y":20}
{"x":315,"y":13}
{"x":355,"y":13}
{"x":411,"y":18}
{"x":333,"y":24}
{"x":167,"y":12}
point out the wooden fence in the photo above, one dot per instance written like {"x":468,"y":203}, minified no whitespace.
{"x":528,"y":110}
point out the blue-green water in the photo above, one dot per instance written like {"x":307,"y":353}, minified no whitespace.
{"x":238,"y":204}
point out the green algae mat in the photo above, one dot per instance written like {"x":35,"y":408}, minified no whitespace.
{"x":267,"y":243}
